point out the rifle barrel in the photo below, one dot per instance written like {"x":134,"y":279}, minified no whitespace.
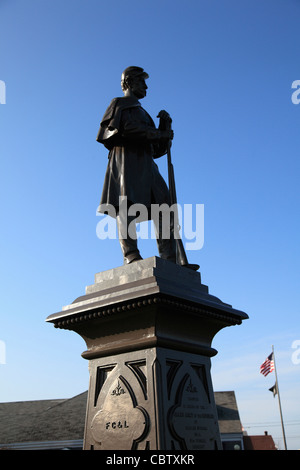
{"x":181,"y":257}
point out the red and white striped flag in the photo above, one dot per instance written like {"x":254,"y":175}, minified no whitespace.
{"x":267,"y":366}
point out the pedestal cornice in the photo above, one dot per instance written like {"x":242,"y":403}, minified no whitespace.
{"x":150,"y":303}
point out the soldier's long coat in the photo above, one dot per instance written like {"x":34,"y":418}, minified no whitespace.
{"x":126,"y":130}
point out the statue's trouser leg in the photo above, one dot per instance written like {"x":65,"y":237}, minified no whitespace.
{"x":165,"y":238}
{"x":128,"y":238}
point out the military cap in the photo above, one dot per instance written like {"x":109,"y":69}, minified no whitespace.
{"x":133,"y":71}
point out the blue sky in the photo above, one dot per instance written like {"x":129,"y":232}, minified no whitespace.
{"x":224,"y":71}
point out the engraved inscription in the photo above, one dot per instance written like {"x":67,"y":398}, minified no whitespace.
{"x":191,"y":388}
{"x":118,"y":390}
{"x":192,"y":420}
{"x":120,"y":420}
{"x":115,"y":425}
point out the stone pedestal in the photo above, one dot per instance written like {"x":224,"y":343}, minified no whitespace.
{"x":148,"y":328}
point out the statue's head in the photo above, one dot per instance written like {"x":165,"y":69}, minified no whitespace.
{"x":133,"y":78}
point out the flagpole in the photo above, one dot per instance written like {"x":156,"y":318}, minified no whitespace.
{"x":279,"y":402}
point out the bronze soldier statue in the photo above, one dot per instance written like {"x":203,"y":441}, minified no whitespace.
{"x":133,"y":141}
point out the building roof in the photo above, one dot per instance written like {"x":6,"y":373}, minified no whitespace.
{"x":263,"y":442}
{"x":228,"y":414}
{"x":43,"y":420}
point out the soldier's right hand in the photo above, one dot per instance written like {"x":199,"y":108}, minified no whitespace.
{"x":167,"y":135}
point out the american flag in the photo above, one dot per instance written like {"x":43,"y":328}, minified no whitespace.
{"x":267,"y":366}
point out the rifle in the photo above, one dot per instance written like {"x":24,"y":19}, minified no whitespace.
{"x":181,"y":257}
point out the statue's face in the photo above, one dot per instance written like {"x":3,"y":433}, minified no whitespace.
{"x":138,"y":87}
